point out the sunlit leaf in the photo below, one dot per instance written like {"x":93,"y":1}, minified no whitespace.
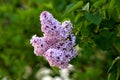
{"x":98,"y":3}
{"x":73,"y":6}
{"x":86,"y":7}
{"x":114,"y":70}
{"x":55,"y":69}
{"x":112,"y":4}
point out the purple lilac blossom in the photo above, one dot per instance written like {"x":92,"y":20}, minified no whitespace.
{"x":57,"y":58}
{"x":39,"y":44}
{"x":57,"y":44}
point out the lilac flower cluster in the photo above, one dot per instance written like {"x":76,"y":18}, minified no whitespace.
{"x":57,"y":44}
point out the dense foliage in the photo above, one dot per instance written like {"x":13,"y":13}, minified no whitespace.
{"x":96,"y":26}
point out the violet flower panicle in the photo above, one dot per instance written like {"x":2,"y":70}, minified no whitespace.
{"x":57,"y":44}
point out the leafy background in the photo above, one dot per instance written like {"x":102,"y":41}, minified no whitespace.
{"x":96,"y":26}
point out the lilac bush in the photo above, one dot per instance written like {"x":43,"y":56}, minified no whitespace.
{"x":57,"y":44}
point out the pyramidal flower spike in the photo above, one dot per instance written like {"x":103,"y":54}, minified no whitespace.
{"x":57,"y":43}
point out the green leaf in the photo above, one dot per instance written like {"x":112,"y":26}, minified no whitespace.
{"x":84,"y":29}
{"x":113,"y":64}
{"x":112,"y":76}
{"x":117,"y":44}
{"x":98,"y":3}
{"x":107,"y":34}
{"x":55,"y":69}
{"x":107,"y":23}
{"x":94,"y":18}
{"x":103,"y":43}
{"x":114,"y":9}
{"x":112,"y":4}
{"x":118,"y":73}
{"x":118,"y":9}
{"x":87,"y":50}
{"x":86,"y":7}
{"x":114,"y":70}
{"x":73,"y":6}
{"x":79,"y":20}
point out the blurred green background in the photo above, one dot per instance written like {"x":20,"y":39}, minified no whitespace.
{"x":96,"y":24}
